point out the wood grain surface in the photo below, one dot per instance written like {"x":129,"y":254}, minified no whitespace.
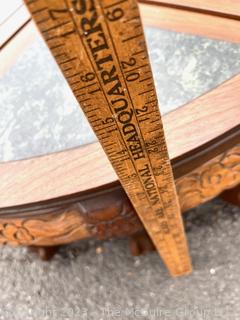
{"x":180,"y":20}
{"x":230,"y":7}
{"x":12,"y":19}
{"x":108,"y":214}
{"x":10,"y":52}
{"x":68,"y":172}
{"x":204,"y":118}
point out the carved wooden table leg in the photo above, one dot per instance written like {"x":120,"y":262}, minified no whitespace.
{"x":232,"y":195}
{"x":140,"y":243}
{"x":45,"y":253}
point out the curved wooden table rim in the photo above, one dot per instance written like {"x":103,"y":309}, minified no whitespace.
{"x":74,"y":194}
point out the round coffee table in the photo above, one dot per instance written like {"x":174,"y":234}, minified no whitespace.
{"x":57,"y":185}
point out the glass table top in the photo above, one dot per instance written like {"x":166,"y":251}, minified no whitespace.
{"x":40,"y":115}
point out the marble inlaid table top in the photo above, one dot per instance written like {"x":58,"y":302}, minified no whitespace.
{"x":40,"y":115}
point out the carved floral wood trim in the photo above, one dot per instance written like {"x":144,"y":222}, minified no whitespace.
{"x":111,"y":214}
{"x":208,"y":181}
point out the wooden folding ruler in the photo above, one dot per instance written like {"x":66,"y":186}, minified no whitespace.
{"x":100,"y":47}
